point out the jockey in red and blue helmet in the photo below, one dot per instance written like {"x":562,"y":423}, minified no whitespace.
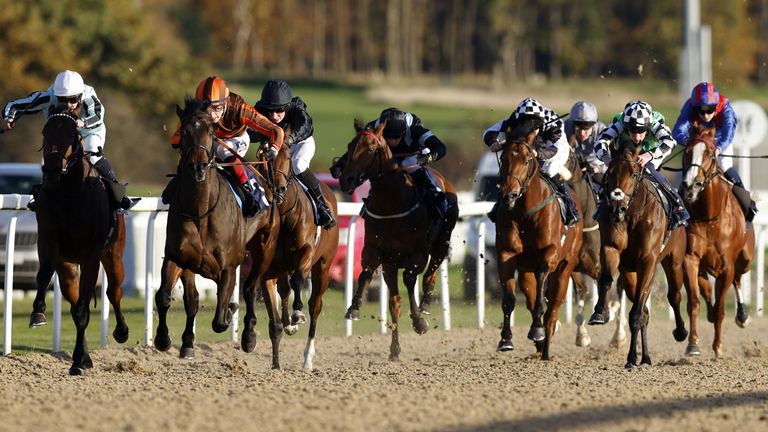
{"x":707,"y":107}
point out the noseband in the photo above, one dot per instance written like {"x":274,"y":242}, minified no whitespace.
{"x":525,"y":182}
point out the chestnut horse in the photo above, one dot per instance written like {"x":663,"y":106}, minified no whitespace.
{"x":300,"y":247}
{"x":396,"y":228}
{"x":76,"y":231}
{"x":632,"y":229}
{"x":581,"y":182}
{"x":532,"y":241}
{"x":206,"y":232}
{"x":719,"y":242}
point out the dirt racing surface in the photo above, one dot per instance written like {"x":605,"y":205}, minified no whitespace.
{"x":452,"y":381}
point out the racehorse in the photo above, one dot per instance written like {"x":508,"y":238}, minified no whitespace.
{"x":531,"y":240}
{"x":632,"y":231}
{"x":719,"y":242}
{"x":76,"y":231}
{"x":206,"y":232}
{"x":300,"y":247}
{"x":581,"y":182}
{"x":396,"y":228}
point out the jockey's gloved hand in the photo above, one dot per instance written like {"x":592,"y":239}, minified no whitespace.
{"x":271,"y":153}
{"x":546,"y":153}
{"x":497,"y":142}
{"x":424,"y":158}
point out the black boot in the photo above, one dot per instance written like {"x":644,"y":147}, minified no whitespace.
{"x":679,"y":214}
{"x":32,"y":204}
{"x":435,"y":197}
{"x":742,"y":194}
{"x":492,"y":214}
{"x":571,"y":213}
{"x":324,"y":214}
{"x":117,"y":188}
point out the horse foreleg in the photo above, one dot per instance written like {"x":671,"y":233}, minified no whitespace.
{"x":609,"y":265}
{"x":428,"y":286}
{"x":580,"y":288}
{"x":420,"y":325}
{"x":639,"y":292}
{"x":370,"y":262}
{"x":297,"y":282}
{"x":742,"y":312}
{"x":169,"y":274}
{"x":191,"y":304}
{"x":722,"y":283}
{"x":43,"y":278}
{"x":706,"y":291}
{"x":690,"y":274}
{"x":646,"y":359}
{"x":248,"y":338}
{"x":269,"y":290}
{"x":225,"y":304}
{"x":507,"y":279}
{"x":558,"y":285}
{"x":81,"y":314}
{"x":529,"y":284}
{"x":284,"y":289}
{"x":320,"y":280}
{"x":618,"y":308}
{"x":390,"y":278}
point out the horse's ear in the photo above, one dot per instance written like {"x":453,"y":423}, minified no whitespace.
{"x":179,"y":112}
{"x":359,"y":125}
{"x":380,"y":129}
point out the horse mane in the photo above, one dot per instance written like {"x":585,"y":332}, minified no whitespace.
{"x":193,"y":107}
{"x":699,"y":132}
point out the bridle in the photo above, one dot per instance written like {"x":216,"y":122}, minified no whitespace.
{"x":637,"y":175}
{"x":210,"y":163}
{"x":74,"y":150}
{"x":363,"y":176}
{"x":525,"y":182}
{"x":714,"y":169}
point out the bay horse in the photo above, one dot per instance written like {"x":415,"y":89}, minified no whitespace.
{"x":206,"y":232}
{"x":532,"y":242}
{"x":301,"y":247}
{"x":588,"y":264}
{"x":719,"y":242}
{"x":632,"y":230}
{"x":396,"y":228}
{"x":76,"y":232}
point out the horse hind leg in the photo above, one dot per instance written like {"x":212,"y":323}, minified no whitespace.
{"x":742,"y":312}
{"x":298,"y":281}
{"x":284,"y":288}
{"x":81,"y":359}
{"x":320,"y":280}
{"x":582,"y":335}
{"x":428,"y":287}
{"x":390,"y":277}
{"x":113,"y":266}
{"x":619,"y":310}
{"x":269,"y":289}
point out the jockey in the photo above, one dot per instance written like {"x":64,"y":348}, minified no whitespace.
{"x":553,"y":144}
{"x":583,"y":127}
{"x":69,"y":88}
{"x":710,"y":109}
{"x":278,"y":104}
{"x":232,"y":115}
{"x":414,"y":146}
{"x":632,"y":127}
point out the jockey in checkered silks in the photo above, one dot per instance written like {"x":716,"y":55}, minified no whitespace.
{"x":640,"y":125}
{"x":550,"y":145}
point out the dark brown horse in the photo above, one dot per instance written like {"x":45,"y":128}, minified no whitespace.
{"x":632,"y":229}
{"x":76,"y":231}
{"x":531,"y":241}
{"x":301,"y":247}
{"x":396,"y":228}
{"x":206,"y":232}
{"x":719,"y":242}
{"x":581,"y":182}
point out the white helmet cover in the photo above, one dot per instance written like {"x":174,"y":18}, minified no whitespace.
{"x":68,"y":83}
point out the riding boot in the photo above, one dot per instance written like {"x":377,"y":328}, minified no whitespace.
{"x":255,"y":196}
{"x":492,"y":214}
{"x":571,"y":213}
{"x":742,"y":194}
{"x":435,"y":197}
{"x":324,"y":213}
{"x":679,"y":214}
{"x":117,"y":188}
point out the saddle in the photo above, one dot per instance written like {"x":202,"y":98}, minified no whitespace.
{"x":555,"y":193}
{"x":248,"y":202}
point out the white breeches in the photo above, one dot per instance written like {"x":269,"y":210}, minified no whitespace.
{"x":239,"y":144}
{"x":91,"y":143}
{"x":301,"y":155}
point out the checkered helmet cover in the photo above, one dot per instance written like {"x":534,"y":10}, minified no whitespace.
{"x":637,"y":113}
{"x":530,"y":106}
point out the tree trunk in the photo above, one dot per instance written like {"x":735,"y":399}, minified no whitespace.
{"x":318,"y":53}
{"x":393,"y":48}
{"x":241,"y":16}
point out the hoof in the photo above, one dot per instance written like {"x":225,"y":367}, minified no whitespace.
{"x":352,"y":314}
{"x":539,"y":346}
{"x":248,"y":342}
{"x":394,"y":357}
{"x":692,"y":350}
{"x":76,"y":371}
{"x":163,"y":343}
{"x":420,"y":325}
{"x":425,"y":308}
{"x":630,"y":366}
{"x":37,"y":319}
{"x":87,"y":362}
{"x":680,"y":334}
{"x":583,"y":340}
{"x":187,"y":353}
{"x":291,"y":330}
{"x":120,"y":334}
{"x":743,"y":322}
{"x":536,"y":334}
{"x":505,"y":345}
{"x":646,"y":362}
{"x":597,"y":318}
{"x":298,"y":317}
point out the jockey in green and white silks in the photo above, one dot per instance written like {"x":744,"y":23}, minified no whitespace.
{"x":637,"y":125}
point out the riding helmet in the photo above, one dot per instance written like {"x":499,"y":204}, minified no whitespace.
{"x":704,"y":94}
{"x":637,"y":115}
{"x":212,"y":89}
{"x":584,"y":112}
{"x":68,"y":83}
{"x":396,"y":122}
{"x":276,"y":96}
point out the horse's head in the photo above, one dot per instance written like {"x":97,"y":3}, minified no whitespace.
{"x":699,"y":161}
{"x":283,"y":173}
{"x":518,"y":161}
{"x":197,"y":139}
{"x":61,"y":144}
{"x":621,"y":183}
{"x":368,"y":157}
